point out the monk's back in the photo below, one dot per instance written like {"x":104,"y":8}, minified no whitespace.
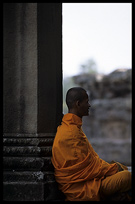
{"x":69,"y":141}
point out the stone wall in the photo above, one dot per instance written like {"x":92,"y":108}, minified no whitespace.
{"x":108,"y":127}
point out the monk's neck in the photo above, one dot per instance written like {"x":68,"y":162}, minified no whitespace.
{"x":74,"y":112}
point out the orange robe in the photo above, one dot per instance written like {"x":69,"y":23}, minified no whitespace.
{"x":78,"y":168}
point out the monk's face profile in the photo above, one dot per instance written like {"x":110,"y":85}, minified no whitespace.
{"x":83,"y":106}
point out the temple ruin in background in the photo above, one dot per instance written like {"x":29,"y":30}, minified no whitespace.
{"x":108,"y":127}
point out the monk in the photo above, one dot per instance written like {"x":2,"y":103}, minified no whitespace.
{"x":81,"y":174}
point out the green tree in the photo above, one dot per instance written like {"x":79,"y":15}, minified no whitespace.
{"x":89,"y":67}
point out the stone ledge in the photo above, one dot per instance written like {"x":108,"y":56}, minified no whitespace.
{"x":129,"y":168}
{"x":27,"y":151}
{"x":28,"y":176}
{"x":27,"y":163}
{"x":29,"y":135}
{"x":28,"y":141}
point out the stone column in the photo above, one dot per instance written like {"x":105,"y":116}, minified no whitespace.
{"x":49,"y":67}
{"x":32,"y":95}
{"x":20,"y":68}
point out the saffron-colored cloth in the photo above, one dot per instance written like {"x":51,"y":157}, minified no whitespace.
{"x":78,"y":169}
{"x":119,"y":182}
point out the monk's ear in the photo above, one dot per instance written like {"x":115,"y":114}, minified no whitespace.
{"x":77,"y":103}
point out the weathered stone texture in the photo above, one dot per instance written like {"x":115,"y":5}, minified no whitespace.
{"x":32,"y":98}
{"x":20,"y":68}
{"x":27,"y":166}
{"x":23,"y":191}
{"x":108,"y":127}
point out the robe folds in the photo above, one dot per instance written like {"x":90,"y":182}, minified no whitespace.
{"x":78,"y":168}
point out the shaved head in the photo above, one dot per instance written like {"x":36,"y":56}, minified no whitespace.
{"x":74,"y":94}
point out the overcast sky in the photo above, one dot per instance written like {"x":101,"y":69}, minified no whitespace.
{"x":101,"y":31}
